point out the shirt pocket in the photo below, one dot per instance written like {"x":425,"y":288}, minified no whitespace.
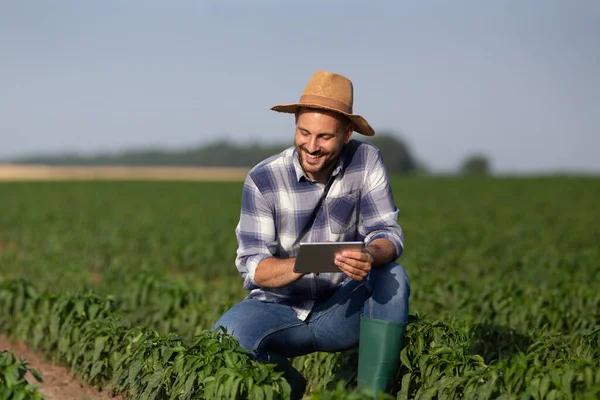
{"x":343,"y":212}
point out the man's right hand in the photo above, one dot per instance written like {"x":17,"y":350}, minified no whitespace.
{"x":273,"y":272}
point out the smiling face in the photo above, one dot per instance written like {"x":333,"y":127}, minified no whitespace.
{"x":320,"y":137}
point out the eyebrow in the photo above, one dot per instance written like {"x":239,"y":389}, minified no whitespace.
{"x":318,"y":134}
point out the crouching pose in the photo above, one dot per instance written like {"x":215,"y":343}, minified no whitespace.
{"x":326,"y":187}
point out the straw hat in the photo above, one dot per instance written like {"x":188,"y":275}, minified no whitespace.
{"x":329,"y":91}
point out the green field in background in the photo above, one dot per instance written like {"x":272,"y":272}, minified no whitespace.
{"x":505,"y":292}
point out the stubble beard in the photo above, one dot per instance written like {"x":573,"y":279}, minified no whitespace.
{"x":322,"y":166}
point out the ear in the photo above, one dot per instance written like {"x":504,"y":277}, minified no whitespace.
{"x":348,"y":133}
{"x":297,"y":114}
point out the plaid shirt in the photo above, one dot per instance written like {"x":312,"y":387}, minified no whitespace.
{"x":278,"y":200}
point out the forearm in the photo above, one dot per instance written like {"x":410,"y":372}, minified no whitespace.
{"x":275,"y":272}
{"x":382,"y":250}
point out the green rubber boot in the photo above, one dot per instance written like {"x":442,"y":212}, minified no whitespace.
{"x":379,"y":353}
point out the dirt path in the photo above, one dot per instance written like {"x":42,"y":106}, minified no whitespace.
{"x":59,"y":383}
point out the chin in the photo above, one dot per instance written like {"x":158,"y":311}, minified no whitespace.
{"x":313,"y":167}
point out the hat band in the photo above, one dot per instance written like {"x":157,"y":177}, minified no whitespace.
{"x":326,"y":102}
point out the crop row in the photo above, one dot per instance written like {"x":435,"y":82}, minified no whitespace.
{"x":86,"y":332}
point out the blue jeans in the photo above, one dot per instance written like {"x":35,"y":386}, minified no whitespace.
{"x":333,"y":325}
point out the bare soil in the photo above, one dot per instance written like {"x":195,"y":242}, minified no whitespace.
{"x":9,"y":172}
{"x":58,"y":382}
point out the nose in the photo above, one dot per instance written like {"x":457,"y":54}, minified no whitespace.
{"x":311,"y":145}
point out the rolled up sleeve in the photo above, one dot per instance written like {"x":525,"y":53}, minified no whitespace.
{"x":379,"y":214}
{"x":255,"y":233}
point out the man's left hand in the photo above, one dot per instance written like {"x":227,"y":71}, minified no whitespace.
{"x":355,"y":264}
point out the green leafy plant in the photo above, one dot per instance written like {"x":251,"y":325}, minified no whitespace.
{"x":13,"y":385}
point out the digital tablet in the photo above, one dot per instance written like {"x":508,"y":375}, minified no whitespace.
{"x":319,"y":257}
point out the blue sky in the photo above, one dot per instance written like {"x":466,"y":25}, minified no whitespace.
{"x":516,"y":80}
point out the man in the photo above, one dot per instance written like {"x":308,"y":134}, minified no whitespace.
{"x":327,"y":187}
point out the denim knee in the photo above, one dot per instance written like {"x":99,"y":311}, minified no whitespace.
{"x":253,"y":321}
{"x":402,"y":278}
{"x":390,"y":293}
{"x":391,"y":271}
{"x":237,"y":326}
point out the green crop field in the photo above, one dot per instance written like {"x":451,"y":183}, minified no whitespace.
{"x":120,"y":280}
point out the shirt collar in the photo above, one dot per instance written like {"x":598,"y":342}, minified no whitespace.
{"x":301,"y":175}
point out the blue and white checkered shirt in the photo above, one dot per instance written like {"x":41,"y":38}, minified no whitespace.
{"x":278,"y":200}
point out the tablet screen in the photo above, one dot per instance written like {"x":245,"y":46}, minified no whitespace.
{"x":319,"y":257}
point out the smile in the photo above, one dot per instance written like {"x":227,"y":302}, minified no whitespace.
{"x":312,"y":157}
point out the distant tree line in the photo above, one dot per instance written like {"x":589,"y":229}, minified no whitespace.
{"x":217,"y":154}
{"x":395,"y":152}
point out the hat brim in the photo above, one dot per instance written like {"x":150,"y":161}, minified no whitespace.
{"x":360,"y":124}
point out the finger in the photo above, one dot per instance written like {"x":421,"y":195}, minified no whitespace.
{"x":352,"y":271}
{"x":347,"y":260}
{"x":354,"y":267}
{"x":360,"y":264}
{"x":356,"y":255}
